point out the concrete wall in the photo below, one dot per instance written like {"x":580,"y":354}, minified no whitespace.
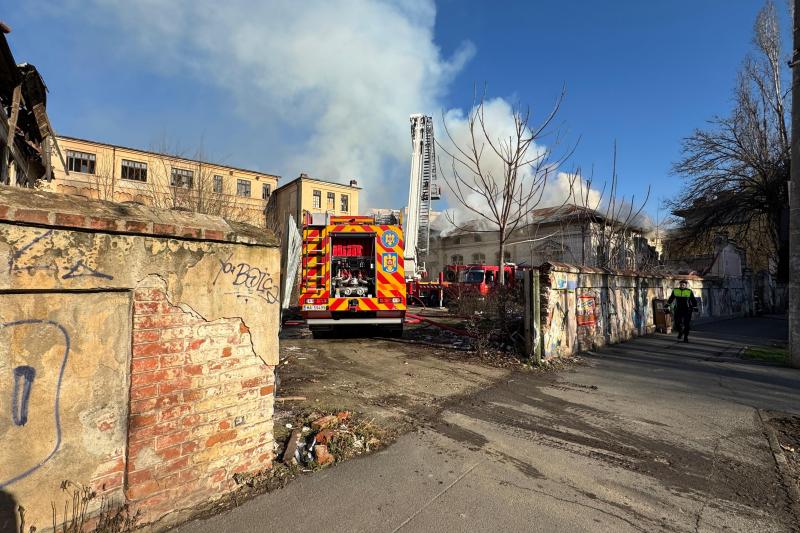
{"x":137,"y":350}
{"x":583,"y":308}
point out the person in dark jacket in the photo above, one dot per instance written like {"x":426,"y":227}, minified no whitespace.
{"x":685,"y":303}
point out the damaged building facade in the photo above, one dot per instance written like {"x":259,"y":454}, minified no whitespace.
{"x":26,"y":136}
{"x":568,"y":233}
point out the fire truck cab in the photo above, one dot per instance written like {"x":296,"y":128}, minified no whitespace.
{"x":352,"y":273}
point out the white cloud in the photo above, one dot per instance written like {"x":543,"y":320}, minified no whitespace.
{"x":340,"y":77}
{"x":559,"y":187}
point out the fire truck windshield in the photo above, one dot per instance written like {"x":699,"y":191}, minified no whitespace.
{"x":474,"y":276}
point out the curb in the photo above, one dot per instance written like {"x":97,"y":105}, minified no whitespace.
{"x":792,"y":490}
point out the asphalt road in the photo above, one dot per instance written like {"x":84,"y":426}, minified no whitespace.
{"x":650,"y":435}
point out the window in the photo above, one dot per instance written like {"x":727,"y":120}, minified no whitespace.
{"x":478,"y":238}
{"x":81,"y":162}
{"x":345,"y":203}
{"x":479,"y":259}
{"x":506,"y":256}
{"x":266,"y":190}
{"x":182,"y":178}
{"x":218,"y":184}
{"x":331,"y":201}
{"x":243,"y":188}
{"x":457,"y":260}
{"x":317,"y":200}
{"x":134,"y":170}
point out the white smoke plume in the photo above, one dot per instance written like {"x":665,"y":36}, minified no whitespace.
{"x":336,"y":81}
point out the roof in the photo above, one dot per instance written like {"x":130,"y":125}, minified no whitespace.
{"x":302,"y":177}
{"x":67,"y":137}
{"x":546,"y":215}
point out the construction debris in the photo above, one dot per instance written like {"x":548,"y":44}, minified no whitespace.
{"x":326,"y":438}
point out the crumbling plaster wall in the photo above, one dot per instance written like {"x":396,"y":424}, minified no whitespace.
{"x":123,"y":329}
{"x":584,"y":308}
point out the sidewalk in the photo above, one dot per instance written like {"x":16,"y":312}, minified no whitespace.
{"x":650,"y":435}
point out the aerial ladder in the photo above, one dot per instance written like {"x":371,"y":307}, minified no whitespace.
{"x":422,"y":190}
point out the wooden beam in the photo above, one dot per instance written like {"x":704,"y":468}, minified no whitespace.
{"x":12,"y":123}
{"x":22,"y":165}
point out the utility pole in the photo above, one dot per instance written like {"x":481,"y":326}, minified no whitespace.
{"x":794,"y":197}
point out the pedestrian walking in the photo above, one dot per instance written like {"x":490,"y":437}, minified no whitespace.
{"x":685,"y":304}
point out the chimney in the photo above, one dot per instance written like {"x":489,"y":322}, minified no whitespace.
{"x":303,"y":175}
{"x":353,"y":183}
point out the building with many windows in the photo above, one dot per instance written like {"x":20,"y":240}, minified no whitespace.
{"x":310,"y":195}
{"x":116,"y":173}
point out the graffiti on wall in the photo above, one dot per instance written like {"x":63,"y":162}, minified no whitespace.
{"x":588,"y":309}
{"x":248,"y":281}
{"x":20,"y":261}
{"x":27,"y":383}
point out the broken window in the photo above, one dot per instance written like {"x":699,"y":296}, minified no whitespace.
{"x":317,"y":199}
{"x":218,"y":184}
{"x":181,"y":177}
{"x":345,"y":203}
{"x":134,"y":170}
{"x":81,"y":162}
{"x":331,"y":201}
{"x":243,"y":188}
{"x":265,"y":191}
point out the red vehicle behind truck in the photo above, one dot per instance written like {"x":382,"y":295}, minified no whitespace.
{"x":461,"y":280}
{"x":352,"y":273}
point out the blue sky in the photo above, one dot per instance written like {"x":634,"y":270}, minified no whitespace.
{"x":327,"y":89}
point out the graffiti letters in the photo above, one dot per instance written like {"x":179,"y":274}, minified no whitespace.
{"x":23,"y":381}
{"x":255,"y":281}
{"x":78,"y":270}
{"x":22,"y":392}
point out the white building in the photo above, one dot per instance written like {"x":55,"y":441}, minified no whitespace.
{"x":567,"y":234}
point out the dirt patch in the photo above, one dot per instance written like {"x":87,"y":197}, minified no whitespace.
{"x":396,"y":382}
{"x":787,"y":430}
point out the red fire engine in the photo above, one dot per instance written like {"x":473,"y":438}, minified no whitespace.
{"x":461,"y":280}
{"x":352,"y":273}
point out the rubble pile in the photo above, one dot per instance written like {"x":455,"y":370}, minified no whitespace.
{"x":317,"y":440}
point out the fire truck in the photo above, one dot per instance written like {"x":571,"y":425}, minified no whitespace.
{"x":457,"y":281}
{"x":355,"y":269}
{"x":352,"y":273}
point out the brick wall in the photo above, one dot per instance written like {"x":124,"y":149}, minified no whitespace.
{"x":201,"y":405}
{"x":147,"y":348}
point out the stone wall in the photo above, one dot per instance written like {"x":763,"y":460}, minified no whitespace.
{"x":137,"y":351}
{"x":584,"y":308}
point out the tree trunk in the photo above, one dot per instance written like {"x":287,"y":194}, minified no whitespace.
{"x":794,"y":200}
{"x":501,"y":275}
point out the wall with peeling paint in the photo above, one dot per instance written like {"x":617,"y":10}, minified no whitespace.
{"x":127,"y":333}
{"x":584,"y":308}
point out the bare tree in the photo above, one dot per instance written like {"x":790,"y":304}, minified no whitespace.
{"x":102,"y":181}
{"x":613,"y":224}
{"x":186,"y":180}
{"x":736,"y":171}
{"x":500,"y":179}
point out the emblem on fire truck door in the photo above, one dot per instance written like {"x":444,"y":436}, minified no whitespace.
{"x":389,"y":239}
{"x":389,"y":262}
